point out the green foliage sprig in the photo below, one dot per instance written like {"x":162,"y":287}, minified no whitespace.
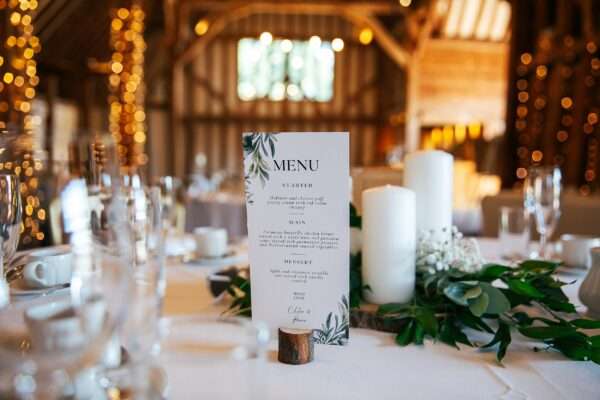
{"x":496,"y":300}
{"x":448,"y":303}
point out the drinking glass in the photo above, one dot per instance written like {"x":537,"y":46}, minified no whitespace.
{"x":141,"y":333}
{"x":169,"y":186}
{"x":10,"y":215}
{"x":10,"y":225}
{"x":514,"y":232}
{"x":542,"y":200}
{"x":93,"y":157}
{"x":48,"y":340}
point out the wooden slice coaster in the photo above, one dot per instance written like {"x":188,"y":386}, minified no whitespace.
{"x":296,"y":346}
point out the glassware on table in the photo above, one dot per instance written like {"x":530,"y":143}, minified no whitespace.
{"x":514,"y":232}
{"x":47,"y":341}
{"x":141,"y":333}
{"x":169,"y":187}
{"x":93,"y":157}
{"x":542,"y":201}
{"x":10,"y":225}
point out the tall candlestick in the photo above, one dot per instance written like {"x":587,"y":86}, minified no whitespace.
{"x":388,"y":244}
{"x":430,"y":174}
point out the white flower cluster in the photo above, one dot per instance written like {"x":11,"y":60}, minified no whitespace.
{"x":436,"y":253}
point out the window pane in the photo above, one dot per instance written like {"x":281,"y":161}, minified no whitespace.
{"x":285,"y":69}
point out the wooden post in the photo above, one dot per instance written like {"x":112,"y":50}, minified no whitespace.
{"x":51,"y":95}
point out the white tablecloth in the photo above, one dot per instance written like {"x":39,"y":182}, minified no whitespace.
{"x":372,"y":366}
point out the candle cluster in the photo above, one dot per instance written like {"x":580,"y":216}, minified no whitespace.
{"x":395,"y":219}
{"x":127,"y":116}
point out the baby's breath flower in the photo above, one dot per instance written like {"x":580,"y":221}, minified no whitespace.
{"x":438,"y":254}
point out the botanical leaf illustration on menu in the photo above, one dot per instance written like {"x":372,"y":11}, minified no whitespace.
{"x":258,"y":148}
{"x":336,"y":328}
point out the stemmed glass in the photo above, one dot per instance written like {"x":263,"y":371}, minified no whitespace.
{"x":542,"y":200}
{"x":47,"y":341}
{"x":169,"y":187}
{"x":10,"y":225}
{"x":141,"y":334}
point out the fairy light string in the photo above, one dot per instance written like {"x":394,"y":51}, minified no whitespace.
{"x":18,"y":82}
{"x":127,"y":118}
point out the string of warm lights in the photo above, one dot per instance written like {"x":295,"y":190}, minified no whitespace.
{"x":523,"y":138}
{"x":127,"y":116}
{"x":18,"y":70}
{"x":559,"y":58}
{"x":567,"y":74}
{"x":591,"y":126}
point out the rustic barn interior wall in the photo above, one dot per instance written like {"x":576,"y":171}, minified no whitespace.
{"x":215,"y":117}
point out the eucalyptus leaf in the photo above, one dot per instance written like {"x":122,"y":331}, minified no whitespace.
{"x":547,"y":332}
{"x":451,"y":334}
{"x":595,"y":355}
{"x":503,"y":338}
{"x":479,"y":305}
{"x":419,"y":334}
{"x":539,"y":265}
{"x":498,"y":303}
{"x":524,"y":288}
{"x":459,"y":292}
{"x":492,"y":272}
{"x":522,"y":318}
{"x":573,"y":346}
{"x":428,"y":321}
{"x":473,"y":293}
{"x":392,"y":308}
{"x":586,"y":323}
{"x":406,"y":335}
{"x":473,"y":322}
{"x":557,"y":305}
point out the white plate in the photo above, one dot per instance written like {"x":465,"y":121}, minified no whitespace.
{"x":228,"y":259}
{"x":18,"y":288}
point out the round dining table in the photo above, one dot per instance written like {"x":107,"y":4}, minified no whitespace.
{"x":371,"y":365}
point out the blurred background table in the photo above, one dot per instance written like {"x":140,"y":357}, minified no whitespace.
{"x":219,"y":210}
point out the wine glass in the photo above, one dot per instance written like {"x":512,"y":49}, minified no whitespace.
{"x":93,"y":157}
{"x":87,"y":316}
{"x":542,"y":200}
{"x":10,"y":225}
{"x":46,"y":342}
{"x":169,"y":186}
{"x":141,"y":333}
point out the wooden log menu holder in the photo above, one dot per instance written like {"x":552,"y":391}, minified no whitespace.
{"x":296,"y":346}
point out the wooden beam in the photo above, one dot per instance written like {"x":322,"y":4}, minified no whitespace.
{"x":218,"y":22}
{"x":253,"y":119}
{"x":388,"y":7}
{"x":178,"y":110}
{"x":170,"y":13}
{"x":386,"y":40}
{"x":412,"y":137}
{"x":357,"y":14}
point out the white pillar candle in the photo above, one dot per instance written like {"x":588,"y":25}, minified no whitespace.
{"x":429,"y":174}
{"x":388,"y":244}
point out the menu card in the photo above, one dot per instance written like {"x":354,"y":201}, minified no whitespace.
{"x":297,"y":198}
